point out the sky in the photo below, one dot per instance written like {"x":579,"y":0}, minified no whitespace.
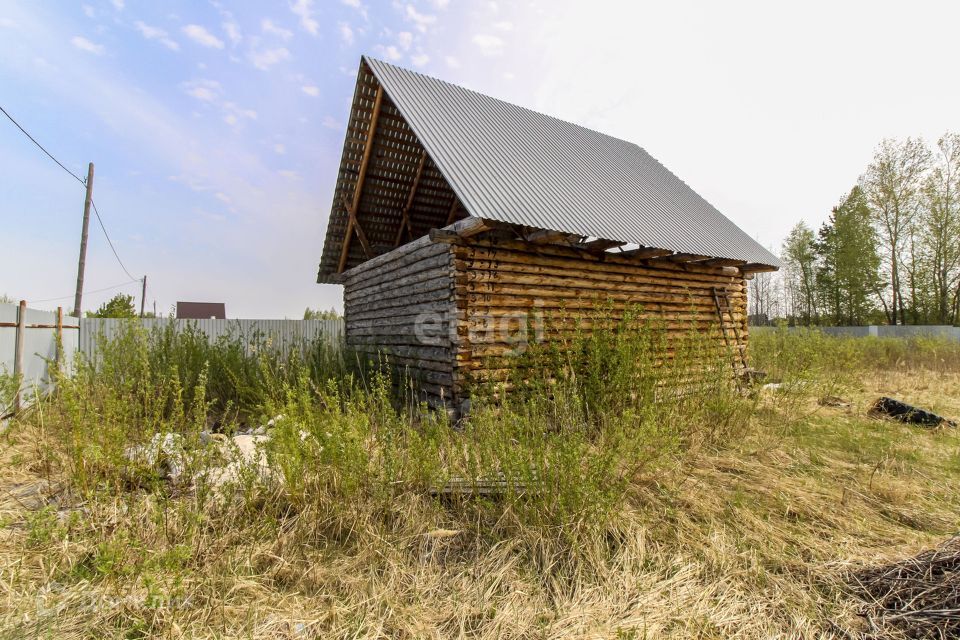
{"x":216,"y":127}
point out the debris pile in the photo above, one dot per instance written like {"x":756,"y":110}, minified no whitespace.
{"x":918,"y":597}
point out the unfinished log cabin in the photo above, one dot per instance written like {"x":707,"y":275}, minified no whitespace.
{"x":463,"y":225}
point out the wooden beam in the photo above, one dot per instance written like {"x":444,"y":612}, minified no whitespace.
{"x":645,"y":252}
{"x":405,"y":220}
{"x":453,"y":210}
{"x":361,"y":176}
{"x":600,"y":245}
{"x":546,"y":236}
{"x":723,"y":262}
{"x":356,"y":227}
{"x":685,"y":257}
{"x":462,"y":229}
{"x":756,"y":267}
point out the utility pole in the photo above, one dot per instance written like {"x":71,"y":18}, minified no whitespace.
{"x":83,"y":241}
{"x":143,"y":295}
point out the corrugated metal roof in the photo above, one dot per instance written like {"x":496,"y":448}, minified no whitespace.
{"x":515,"y":165}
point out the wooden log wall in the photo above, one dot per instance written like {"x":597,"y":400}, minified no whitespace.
{"x":514,"y":291}
{"x":400,"y":307}
{"x":451,"y":315}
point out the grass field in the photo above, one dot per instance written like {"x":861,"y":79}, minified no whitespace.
{"x":624,"y":513}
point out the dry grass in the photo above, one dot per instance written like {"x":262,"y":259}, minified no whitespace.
{"x":751,"y":540}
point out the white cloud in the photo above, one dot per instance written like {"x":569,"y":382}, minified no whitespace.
{"x":440,"y":4}
{"x":289,"y":174}
{"x":279,"y":149}
{"x":222,"y":197}
{"x":422,"y":21}
{"x":346,"y":32}
{"x":489,"y":45}
{"x":330,"y":122}
{"x":304,"y":10}
{"x":85,"y":45}
{"x":232,"y":114}
{"x":503,"y":25}
{"x":88,"y":11}
{"x":117,"y":4}
{"x":405,"y":38}
{"x":311,"y":90}
{"x":268,"y":26}
{"x":232,"y":29}
{"x":202,"y":37}
{"x":203,"y":90}
{"x":356,"y":4}
{"x":419,"y":59}
{"x":452,"y":62}
{"x":155,"y":33}
{"x":265,"y":58}
{"x":508,"y":75}
{"x":390,"y":53}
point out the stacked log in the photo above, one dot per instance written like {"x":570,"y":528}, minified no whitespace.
{"x":398,"y":308}
{"x":516,"y":292}
{"x":454,"y":313}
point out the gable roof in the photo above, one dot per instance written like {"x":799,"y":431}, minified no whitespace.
{"x":514,"y":165}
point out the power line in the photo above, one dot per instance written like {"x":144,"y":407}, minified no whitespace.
{"x":50,"y":155}
{"x":110,"y":242}
{"x":82,"y":182}
{"x":116,"y":286}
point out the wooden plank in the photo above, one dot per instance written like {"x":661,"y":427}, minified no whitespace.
{"x":644,"y":253}
{"x":599,"y":245}
{"x":756,"y":267}
{"x":361,"y":176}
{"x":405,"y":216}
{"x":460,"y":230}
{"x":352,"y":220}
{"x":547,"y":236}
{"x":453,"y":210}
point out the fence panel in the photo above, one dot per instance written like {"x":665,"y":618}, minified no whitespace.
{"x":39,"y":346}
{"x":280,"y":333}
{"x":881,"y":331}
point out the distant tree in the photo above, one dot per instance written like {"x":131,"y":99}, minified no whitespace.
{"x":800,"y":257}
{"x":848,"y":266}
{"x":939,"y":230}
{"x":5,"y":299}
{"x":119,"y":306}
{"x":893,"y":185}
{"x":317,"y":314}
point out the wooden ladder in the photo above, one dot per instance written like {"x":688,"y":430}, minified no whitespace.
{"x":739,"y":351}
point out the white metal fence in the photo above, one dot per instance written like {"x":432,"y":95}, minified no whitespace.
{"x":879,"y":331}
{"x":279,"y":333}
{"x":28,"y":340}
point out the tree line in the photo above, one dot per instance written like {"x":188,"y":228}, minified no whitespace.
{"x":888,"y":253}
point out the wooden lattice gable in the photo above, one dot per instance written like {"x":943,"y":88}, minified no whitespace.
{"x":402,"y":194}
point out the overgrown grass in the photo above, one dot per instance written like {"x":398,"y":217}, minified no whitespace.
{"x":631,"y":498}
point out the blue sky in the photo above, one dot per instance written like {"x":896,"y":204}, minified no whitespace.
{"x":216,"y":128}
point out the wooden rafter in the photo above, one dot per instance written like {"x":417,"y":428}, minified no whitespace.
{"x":453,"y":210}
{"x":723,"y":262}
{"x":644,"y":253}
{"x":405,"y":220}
{"x":600,"y":244}
{"x":547,"y":236}
{"x":364,"y":242}
{"x":361,"y":176}
{"x":756,"y":267}
{"x":685,"y":257}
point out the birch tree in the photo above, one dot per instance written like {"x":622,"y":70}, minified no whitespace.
{"x":893,"y":185}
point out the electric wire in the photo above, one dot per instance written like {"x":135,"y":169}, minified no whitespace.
{"x":116,"y":286}
{"x":82,"y":182}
